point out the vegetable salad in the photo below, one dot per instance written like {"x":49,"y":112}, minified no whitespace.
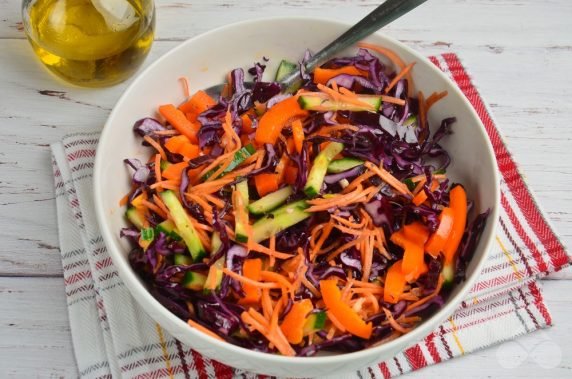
{"x":297,"y":220}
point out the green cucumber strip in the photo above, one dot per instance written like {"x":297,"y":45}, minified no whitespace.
{"x":240,"y":230}
{"x":284,"y":69}
{"x":135,"y":217}
{"x":314,"y":322}
{"x":219,"y":265}
{"x":182,"y":260}
{"x":147,"y":234}
{"x":164,"y":165}
{"x":183,"y":224}
{"x":194,"y":281}
{"x":270,"y":201}
{"x":280,"y":219}
{"x":320,"y":167}
{"x":410,"y":120}
{"x":317,"y":102}
{"x":344,"y":164}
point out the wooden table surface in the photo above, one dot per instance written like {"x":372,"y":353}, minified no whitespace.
{"x":519,"y":51}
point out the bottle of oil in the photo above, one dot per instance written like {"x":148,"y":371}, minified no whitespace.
{"x":92,"y":43}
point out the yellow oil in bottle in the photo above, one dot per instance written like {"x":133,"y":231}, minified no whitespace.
{"x":91,"y":43}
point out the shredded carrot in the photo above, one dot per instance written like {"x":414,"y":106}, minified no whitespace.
{"x":266,"y":302}
{"x":243,"y":279}
{"x":339,"y":97}
{"x":433,"y":98}
{"x":124,"y":200}
{"x":271,"y":253}
{"x":254,"y":323}
{"x":394,"y":324}
{"x":428,"y":297}
{"x":155,"y":208}
{"x":272,"y":246}
{"x":158,"y":167}
{"x":422,"y":177}
{"x":389,"y":179}
{"x":399,"y":76}
{"x":367,"y":258}
{"x":206,"y":331}
{"x":357,"y":182}
{"x":156,"y":146}
{"x":422,"y":110}
{"x":392,"y":100}
{"x":270,"y":276}
{"x":346,"y":246}
{"x":185,"y":82}
{"x":166,"y":184}
{"x":393,"y":57}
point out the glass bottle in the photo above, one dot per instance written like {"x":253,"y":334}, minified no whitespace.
{"x":91,"y":43}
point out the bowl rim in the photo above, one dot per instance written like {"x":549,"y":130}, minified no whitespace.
{"x":146,"y":300}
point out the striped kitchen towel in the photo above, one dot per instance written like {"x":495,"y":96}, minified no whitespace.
{"x":113,"y":337}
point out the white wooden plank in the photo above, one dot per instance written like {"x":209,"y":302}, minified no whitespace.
{"x":35,"y":337}
{"x":444,"y":20}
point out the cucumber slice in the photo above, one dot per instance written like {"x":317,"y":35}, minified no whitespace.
{"x":215,"y":241}
{"x":183,"y":224}
{"x":164,"y":165}
{"x":182,"y":260}
{"x":280,"y":219}
{"x":320,"y":167}
{"x":271,"y":201}
{"x":410,"y":120}
{"x":135,"y":217}
{"x":218,"y":275}
{"x":168,"y":228}
{"x":284,"y":69}
{"x":344,"y":164}
{"x":194,"y":281}
{"x":448,"y":272}
{"x":317,"y":102}
{"x":239,"y":157}
{"x":240,"y":230}
{"x":314,"y":322}
{"x":147,"y":234}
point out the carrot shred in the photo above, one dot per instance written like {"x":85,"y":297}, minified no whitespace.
{"x":393,"y":57}
{"x":392,"y":100}
{"x":422,"y":110}
{"x":123,"y":201}
{"x":244,"y":279}
{"x":185,"y":81}
{"x":399,"y":76}
{"x":433,"y":98}
{"x":155,"y":209}
{"x":157,"y":167}
{"x":389,"y":179}
{"x":206,"y":331}
{"x":156,"y":146}
{"x":271,"y":276}
{"x":394,"y":324}
{"x":157,"y":200}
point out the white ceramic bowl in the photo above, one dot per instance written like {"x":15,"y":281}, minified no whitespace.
{"x":204,"y":60}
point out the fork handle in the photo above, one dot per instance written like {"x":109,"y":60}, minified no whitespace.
{"x":387,"y":12}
